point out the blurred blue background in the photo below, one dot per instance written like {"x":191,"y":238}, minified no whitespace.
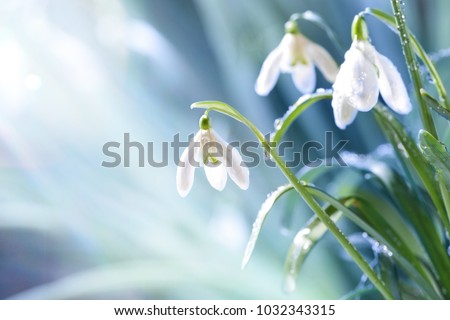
{"x":77,"y":74}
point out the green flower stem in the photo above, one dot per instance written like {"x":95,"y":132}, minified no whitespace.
{"x":301,"y":189}
{"x":433,"y":72}
{"x":412,"y":66}
{"x":332,"y":227}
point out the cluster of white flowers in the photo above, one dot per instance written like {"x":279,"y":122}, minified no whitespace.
{"x":364,"y":74}
{"x":357,"y":83}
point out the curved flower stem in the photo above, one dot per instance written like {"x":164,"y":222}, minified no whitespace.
{"x":302,"y":190}
{"x":413,"y":68}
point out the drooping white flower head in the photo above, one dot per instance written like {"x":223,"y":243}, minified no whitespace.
{"x":296,"y":55}
{"x":364,"y":75}
{"x":218,"y":158}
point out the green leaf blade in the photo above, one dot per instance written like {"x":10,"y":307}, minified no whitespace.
{"x":435,"y":105}
{"x":296,"y":110}
{"x":436,"y":153}
{"x":260,"y":218}
{"x":304,"y":241}
{"x":414,"y":161}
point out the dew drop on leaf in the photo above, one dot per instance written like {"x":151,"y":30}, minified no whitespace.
{"x":278,"y":123}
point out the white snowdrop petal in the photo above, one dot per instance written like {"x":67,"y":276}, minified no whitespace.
{"x":269,"y":73}
{"x":186,"y":167}
{"x":197,"y":144}
{"x":185,"y":175}
{"x":235,"y":166}
{"x":392,"y":88}
{"x":323,"y":61}
{"x":368,"y":50}
{"x":291,"y":48}
{"x":363,"y":82}
{"x":237,"y":169}
{"x":345,"y":73}
{"x":344,"y":113}
{"x":304,"y":77}
{"x":216,"y":174}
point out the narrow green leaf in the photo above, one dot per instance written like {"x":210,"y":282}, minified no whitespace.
{"x":435,"y":104}
{"x":296,"y":110}
{"x":390,"y":183}
{"x":409,"y":153}
{"x":372,"y":222}
{"x":412,"y":159}
{"x":446,"y":136}
{"x":367,"y":218}
{"x":444,"y":186}
{"x":260,"y":218}
{"x":405,"y":199}
{"x":410,"y":291}
{"x":436,"y":153}
{"x":358,"y":293}
{"x":332,"y":227}
{"x":220,"y":107}
{"x":388,"y":273}
{"x":304,"y":241}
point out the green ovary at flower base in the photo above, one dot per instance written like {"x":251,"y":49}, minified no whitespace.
{"x":364,"y":75}
{"x":296,"y":55}
{"x":217,"y":157}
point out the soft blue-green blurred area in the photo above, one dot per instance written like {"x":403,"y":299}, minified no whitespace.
{"x":77,"y":74}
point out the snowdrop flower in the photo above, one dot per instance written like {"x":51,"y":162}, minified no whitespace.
{"x":364,"y":74}
{"x":296,"y":55}
{"x":217,"y":157}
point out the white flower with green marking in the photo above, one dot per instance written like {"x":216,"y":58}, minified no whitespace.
{"x":364,"y":75}
{"x":218,"y":158}
{"x":296,"y":55}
